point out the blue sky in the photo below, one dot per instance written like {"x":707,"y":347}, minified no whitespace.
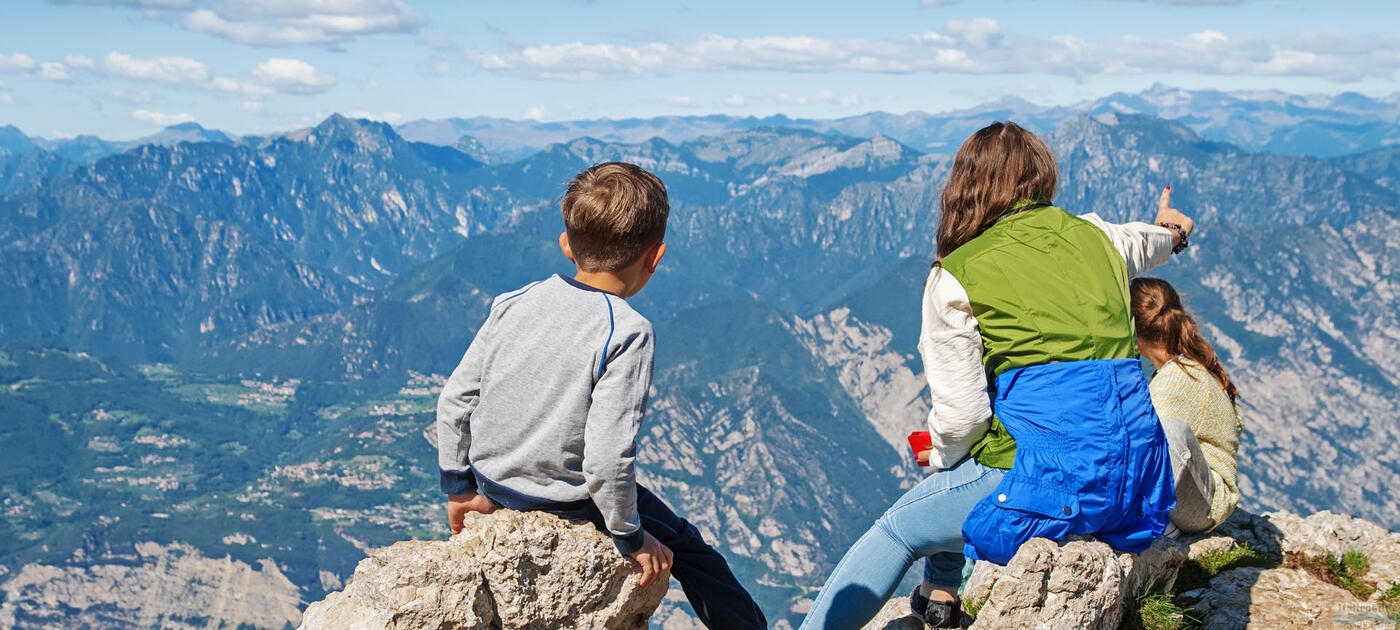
{"x":125,"y":68}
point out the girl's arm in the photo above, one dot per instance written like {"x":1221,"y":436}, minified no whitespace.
{"x":951,"y":348}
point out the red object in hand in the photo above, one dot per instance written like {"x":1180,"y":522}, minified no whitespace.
{"x":920,"y":441}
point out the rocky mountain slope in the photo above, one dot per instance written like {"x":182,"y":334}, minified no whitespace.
{"x":157,"y":251}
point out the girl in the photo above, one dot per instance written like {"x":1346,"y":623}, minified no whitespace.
{"x":1196,"y":402}
{"x":1028,"y":348}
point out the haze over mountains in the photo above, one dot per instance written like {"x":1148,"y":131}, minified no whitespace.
{"x":231,"y":347}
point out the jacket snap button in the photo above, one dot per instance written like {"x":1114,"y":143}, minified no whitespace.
{"x":1067,"y":510}
{"x":1001,"y":497}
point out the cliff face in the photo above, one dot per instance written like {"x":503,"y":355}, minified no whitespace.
{"x":505,"y":570}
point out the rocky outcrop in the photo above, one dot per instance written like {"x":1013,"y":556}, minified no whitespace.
{"x":505,"y":570}
{"x":1074,"y":584}
{"x":1085,"y":584}
{"x":1080,"y":583}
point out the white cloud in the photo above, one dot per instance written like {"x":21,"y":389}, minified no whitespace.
{"x":388,"y":117}
{"x":278,"y":22}
{"x":975,"y":46}
{"x":242,"y":88}
{"x":979,"y":32}
{"x":161,"y":118}
{"x":273,"y":76}
{"x":735,"y":100}
{"x":54,"y":71}
{"x":251,"y":106}
{"x":680,"y":101}
{"x":79,"y":61}
{"x":16,"y":62}
{"x":292,"y":76}
{"x":534,"y":113}
{"x":160,"y":69}
{"x":144,"y":4}
{"x":5,"y":98}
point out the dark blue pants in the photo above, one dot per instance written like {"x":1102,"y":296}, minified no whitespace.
{"x":715,"y":594}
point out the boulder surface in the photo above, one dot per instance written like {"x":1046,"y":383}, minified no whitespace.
{"x":504,"y":570}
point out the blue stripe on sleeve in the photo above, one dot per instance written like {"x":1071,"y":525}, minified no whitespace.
{"x":611,"y":326}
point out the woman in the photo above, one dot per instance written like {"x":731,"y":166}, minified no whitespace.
{"x":1196,"y":402}
{"x":1027,"y":342}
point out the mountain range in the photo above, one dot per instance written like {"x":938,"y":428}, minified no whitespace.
{"x":231,"y":348}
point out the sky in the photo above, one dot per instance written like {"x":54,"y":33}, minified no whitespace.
{"x":122,"y":69}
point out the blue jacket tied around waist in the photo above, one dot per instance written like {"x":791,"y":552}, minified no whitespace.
{"x":1091,"y":458}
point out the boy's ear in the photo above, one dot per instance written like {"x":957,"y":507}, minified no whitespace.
{"x":564,"y":246}
{"x":652,"y":258}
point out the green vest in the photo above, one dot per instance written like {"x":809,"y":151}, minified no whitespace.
{"x":1045,"y":287}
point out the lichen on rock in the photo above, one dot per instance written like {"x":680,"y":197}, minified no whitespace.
{"x":504,"y":570}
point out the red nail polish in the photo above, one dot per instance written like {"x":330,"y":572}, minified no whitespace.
{"x":1169,"y":187}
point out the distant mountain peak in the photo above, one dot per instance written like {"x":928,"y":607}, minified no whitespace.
{"x":13,"y":141}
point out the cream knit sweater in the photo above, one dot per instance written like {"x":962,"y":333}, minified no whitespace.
{"x":1183,"y":389}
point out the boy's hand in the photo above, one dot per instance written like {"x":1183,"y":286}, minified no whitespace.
{"x":459,"y":504}
{"x":654,"y":558}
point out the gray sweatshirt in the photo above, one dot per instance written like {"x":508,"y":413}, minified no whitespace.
{"x":545,"y":407}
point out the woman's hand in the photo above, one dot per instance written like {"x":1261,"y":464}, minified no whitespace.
{"x":922,"y":457}
{"x":1167,"y":214}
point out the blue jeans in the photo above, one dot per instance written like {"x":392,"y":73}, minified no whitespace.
{"x":924,"y":523}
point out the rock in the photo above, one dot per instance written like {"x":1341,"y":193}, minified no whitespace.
{"x":1083,"y":583}
{"x":896,"y":615}
{"x":505,"y":570}
{"x":1080,"y":583}
{"x":1324,"y":533}
{"x":1283,"y":598}
{"x":1292,"y":598}
{"x":150,"y":585}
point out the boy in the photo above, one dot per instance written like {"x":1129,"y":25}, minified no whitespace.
{"x":543,"y":411}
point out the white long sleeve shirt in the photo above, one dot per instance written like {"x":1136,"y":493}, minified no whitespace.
{"x":951,"y":346}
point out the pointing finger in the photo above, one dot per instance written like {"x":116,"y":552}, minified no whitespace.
{"x":1165,"y":202}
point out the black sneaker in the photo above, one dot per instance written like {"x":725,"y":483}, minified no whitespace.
{"x":937,"y":614}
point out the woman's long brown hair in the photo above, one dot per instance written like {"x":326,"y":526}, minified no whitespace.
{"x":997,"y":166}
{"x":1161,"y":318}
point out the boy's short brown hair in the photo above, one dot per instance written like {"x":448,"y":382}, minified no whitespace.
{"x":612,"y":213}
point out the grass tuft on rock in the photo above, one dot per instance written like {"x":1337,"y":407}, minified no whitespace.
{"x":972,"y":608}
{"x":1158,"y":611}
{"x":1197,"y":573}
{"x":1390,"y":602}
{"x":1345,"y":572}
